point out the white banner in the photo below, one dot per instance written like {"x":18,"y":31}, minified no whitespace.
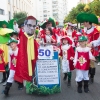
{"x":47,"y":72}
{"x":45,"y":52}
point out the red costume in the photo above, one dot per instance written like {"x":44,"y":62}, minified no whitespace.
{"x":92,"y":34}
{"x":22,"y":62}
{"x":2,"y":64}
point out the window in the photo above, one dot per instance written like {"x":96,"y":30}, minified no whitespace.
{"x":45,"y":15}
{"x":1,"y":12}
{"x":9,"y":15}
{"x":8,"y":1}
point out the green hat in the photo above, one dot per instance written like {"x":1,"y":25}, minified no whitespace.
{"x":11,"y":22}
{"x":83,"y":17}
{"x":3,"y":23}
{"x":82,"y":38}
{"x":43,"y":25}
{"x":12,"y":40}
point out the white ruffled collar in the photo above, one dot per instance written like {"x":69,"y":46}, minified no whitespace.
{"x":80,"y":49}
{"x":88,"y":31}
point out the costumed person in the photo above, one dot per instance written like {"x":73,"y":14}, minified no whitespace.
{"x":13,"y":52}
{"x":92,"y":33}
{"x":14,"y":35}
{"x":48,"y":38}
{"x":82,"y":59}
{"x":2,"y":63}
{"x":67,"y":53}
{"x":71,"y":32}
{"x":15,"y":27}
{"x":4,"y":38}
{"x":49,"y":23}
{"x":28,"y":52}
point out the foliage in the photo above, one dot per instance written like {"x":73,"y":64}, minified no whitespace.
{"x":92,"y":7}
{"x":42,"y":90}
{"x":20,"y":15}
{"x":73,"y":13}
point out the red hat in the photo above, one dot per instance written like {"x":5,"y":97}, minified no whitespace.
{"x":67,"y":38}
{"x":30,"y":17}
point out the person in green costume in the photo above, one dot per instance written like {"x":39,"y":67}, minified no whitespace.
{"x":4,"y":37}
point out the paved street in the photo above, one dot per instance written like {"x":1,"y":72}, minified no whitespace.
{"x":66,"y":93}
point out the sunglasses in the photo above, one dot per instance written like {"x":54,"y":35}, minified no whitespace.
{"x":31,"y":25}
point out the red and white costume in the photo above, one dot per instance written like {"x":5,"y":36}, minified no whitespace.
{"x":92,"y":34}
{"x":67,"y":53}
{"x":82,"y":63}
{"x":12,"y":64}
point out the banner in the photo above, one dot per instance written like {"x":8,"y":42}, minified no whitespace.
{"x":47,"y":73}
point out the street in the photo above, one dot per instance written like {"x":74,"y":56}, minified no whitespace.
{"x":67,"y":93}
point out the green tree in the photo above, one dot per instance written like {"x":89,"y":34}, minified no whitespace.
{"x":92,"y":7}
{"x":20,"y":15}
{"x":95,"y":7}
{"x":71,"y":17}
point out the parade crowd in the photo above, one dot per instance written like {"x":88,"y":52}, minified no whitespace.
{"x":78,"y":49}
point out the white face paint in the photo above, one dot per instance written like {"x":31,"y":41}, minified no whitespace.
{"x":29,"y":28}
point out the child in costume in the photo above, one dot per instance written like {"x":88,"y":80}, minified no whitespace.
{"x":82,"y":63}
{"x":48,"y":38}
{"x":67,"y":53}
{"x":2,"y":63}
{"x":12,"y":64}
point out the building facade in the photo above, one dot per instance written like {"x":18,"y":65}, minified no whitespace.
{"x":86,"y":1}
{"x":15,"y":6}
{"x":59,"y":10}
{"x":3,"y":10}
{"x":56,"y":9}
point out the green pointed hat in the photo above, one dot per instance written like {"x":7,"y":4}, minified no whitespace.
{"x":43,"y":25}
{"x":82,"y":38}
{"x":11,"y":23}
{"x":87,"y":17}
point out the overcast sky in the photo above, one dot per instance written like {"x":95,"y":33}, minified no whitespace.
{"x":72,"y":3}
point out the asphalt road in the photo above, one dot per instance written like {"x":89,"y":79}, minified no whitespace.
{"x":67,"y":93}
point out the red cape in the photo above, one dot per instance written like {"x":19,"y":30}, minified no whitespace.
{"x":22,"y":62}
{"x":70,"y":53}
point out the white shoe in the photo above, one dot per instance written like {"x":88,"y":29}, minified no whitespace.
{"x":98,"y":63}
{"x":4,"y":84}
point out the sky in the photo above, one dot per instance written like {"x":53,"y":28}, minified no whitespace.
{"x":72,"y":3}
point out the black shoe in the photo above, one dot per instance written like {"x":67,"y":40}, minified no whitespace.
{"x":91,"y":80}
{"x":86,"y":89}
{"x":65,"y":76}
{"x":7,"y":88}
{"x":2,"y":81}
{"x":20,"y":86}
{"x":69,"y":83}
{"x":79,"y":88}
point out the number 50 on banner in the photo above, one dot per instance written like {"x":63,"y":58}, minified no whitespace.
{"x":45,"y":53}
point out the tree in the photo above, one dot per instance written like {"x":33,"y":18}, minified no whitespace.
{"x":92,"y":7}
{"x":20,"y":15}
{"x":74,"y":12}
